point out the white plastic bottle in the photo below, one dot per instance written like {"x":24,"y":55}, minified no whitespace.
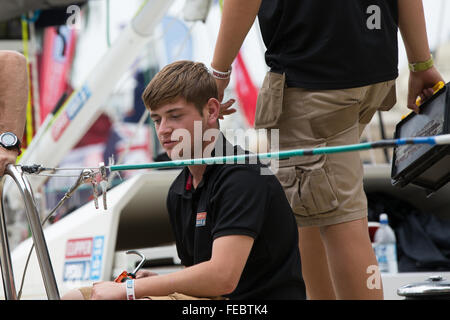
{"x":385,"y":246}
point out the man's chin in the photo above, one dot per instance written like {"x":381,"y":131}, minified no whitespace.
{"x":177,"y":156}
{"x":169,"y":153}
{"x":168,"y":149}
{"x":173,"y":155}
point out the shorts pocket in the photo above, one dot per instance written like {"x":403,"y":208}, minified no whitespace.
{"x":317,"y":193}
{"x":290,"y":184}
{"x":309,"y":192}
{"x":391,"y":98}
{"x":270,"y":101}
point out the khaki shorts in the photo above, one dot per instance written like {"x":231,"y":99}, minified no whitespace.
{"x":87,"y":294}
{"x":322,"y":189}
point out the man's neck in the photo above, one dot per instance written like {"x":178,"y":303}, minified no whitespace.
{"x":198,"y":170}
{"x":197,"y":174}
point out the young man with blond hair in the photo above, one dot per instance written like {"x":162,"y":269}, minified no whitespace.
{"x":234,"y":229}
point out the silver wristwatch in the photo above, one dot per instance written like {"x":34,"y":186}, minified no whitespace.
{"x":9,"y":140}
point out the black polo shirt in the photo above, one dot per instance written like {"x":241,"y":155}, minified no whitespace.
{"x":235,"y":199}
{"x":331,"y":44}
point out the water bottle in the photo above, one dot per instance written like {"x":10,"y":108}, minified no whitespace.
{"x":385,"y":246}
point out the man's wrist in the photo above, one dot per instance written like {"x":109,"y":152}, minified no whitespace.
{"x":421,"y":65}
{"x":16,"y":151}
{"x":219,"y":74}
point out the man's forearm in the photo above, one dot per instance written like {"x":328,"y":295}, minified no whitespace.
{"x":200,"y":280}
{"x":237,"y":18}
{"x":13,"y":92}
{"x":218,"y":276}
{"x":413,"y":29}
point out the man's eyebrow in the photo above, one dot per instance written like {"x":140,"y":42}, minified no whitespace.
{"x":168,"y":111}
{"x":174,"y":109}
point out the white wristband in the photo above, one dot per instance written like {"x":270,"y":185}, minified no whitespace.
{"x":129,"y":285}
{"x":219,"y":74}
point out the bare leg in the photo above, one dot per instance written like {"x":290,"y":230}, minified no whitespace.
{"x":350,"y":254}
{"x":315,"y":265}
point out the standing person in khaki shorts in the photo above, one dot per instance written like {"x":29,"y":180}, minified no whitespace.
{"x":333,"y":64}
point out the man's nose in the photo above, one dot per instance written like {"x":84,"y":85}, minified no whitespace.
{"x":164,"y":128}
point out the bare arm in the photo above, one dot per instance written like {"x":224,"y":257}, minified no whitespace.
{"x":413,"y":29}
{"x":218,"y":276}
{"x":237,"y":18}
{"x":13,"y":100}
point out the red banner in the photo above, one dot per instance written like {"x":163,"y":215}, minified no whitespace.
{"x":56,"y":61}
{"x":247,"y":92}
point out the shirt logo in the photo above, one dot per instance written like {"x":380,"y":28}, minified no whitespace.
{"x":201,"y":219}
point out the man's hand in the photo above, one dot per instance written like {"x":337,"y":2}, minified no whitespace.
{"x":421,"y":85}
{"x":411,"y":22}
{"x":108,"y":290}
{"x":225,"y":108}
{"x":144,"y":274}
{"x":6,"y":157}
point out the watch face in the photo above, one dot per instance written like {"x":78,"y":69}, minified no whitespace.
{"x":8,"y":139}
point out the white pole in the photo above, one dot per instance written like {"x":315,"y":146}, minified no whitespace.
{"x":85,"y":105}
{"x":443,"y":139}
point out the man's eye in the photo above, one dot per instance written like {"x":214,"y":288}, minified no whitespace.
{"x":156,"y":121}
{"x":175,"y":116}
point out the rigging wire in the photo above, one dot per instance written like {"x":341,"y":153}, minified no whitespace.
{"x":60,"y":203}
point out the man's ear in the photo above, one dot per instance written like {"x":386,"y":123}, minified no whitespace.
{"x":212,"y":109}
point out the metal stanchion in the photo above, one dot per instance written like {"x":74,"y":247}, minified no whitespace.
{"x":5,"y":256}
{"x":38,"y":239}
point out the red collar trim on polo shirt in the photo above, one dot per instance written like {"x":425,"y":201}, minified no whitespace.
{"x":189,"y":182}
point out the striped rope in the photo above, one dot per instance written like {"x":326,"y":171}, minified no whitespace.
{"x":434,"y":140}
